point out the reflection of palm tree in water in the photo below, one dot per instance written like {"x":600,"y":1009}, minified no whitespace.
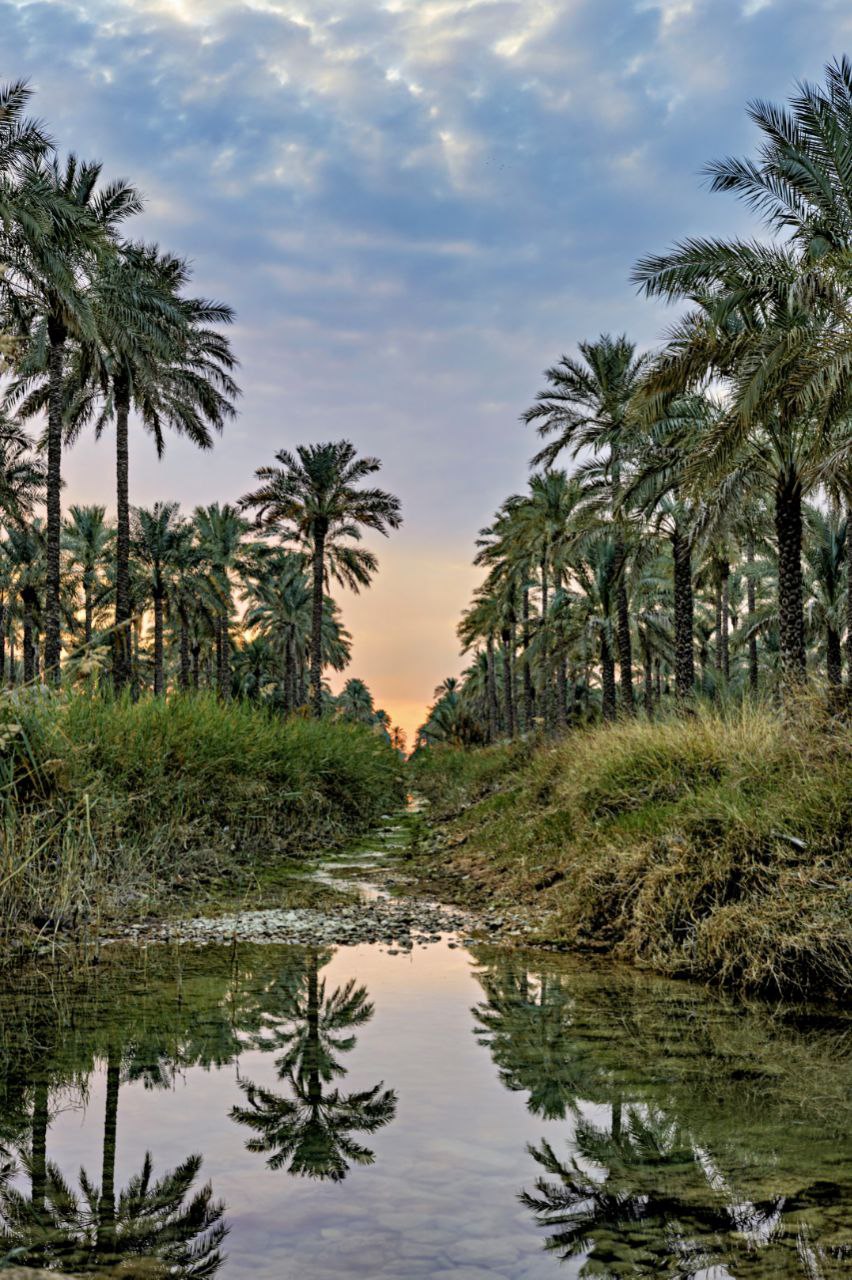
{"x":157,"y":1226}
{"x":660,"y":1207}
{"x":149,"y":1229}
{"x":312,"y":1130}
{"x":526,"y":1023}
{"x":640,"y":1196}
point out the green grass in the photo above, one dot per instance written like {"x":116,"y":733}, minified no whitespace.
{"x":719,"y":847}
{"x":112,"y":808}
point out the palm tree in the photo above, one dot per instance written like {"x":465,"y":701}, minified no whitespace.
{"x":86,"y":538}
{"x":279,"y":609}
{"x":158,"y":537}
{"x":315,"y":496}
{"x":827,"y":583}
{"x":773,"y":321}
{"x":586,"y":406}
{"x":24,"y":549}
{"x":46,"y":285}
{"x":156,"y":352}
{"x":220,"y":531}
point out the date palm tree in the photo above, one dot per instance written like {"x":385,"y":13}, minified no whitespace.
{"x":86,"y":539}
{"x":220,"y":531}
{"x":315,"y":496}
{"x":46,"y":284}
{"x":158,"y":538}
{"x":586,"y":406}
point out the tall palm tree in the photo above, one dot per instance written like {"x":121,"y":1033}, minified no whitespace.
{"x":586,"y":405}
{"x":312,"y":495}
{"x":160,"y":354}
{"x":47,"y":286}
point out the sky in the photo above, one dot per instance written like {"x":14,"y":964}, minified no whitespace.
{"x":415,"y":206}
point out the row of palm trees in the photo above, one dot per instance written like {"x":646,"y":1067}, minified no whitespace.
{"x":213,"y":605}
{"x":704,"y":531}
{"x":98,"y":331}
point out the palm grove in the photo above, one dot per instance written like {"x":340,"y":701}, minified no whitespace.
{"x":700,"y":545}
{"x":99,"y":333}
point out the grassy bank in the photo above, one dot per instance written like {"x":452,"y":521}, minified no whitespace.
{"x":112,"y":809}
{"x":718,"y":848}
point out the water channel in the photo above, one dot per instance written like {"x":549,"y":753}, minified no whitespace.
{"x":272,"y":1111}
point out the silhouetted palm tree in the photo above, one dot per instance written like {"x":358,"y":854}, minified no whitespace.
{"x":315,"y":496}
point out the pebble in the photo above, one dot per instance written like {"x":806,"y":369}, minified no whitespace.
{"x":396,"y":922}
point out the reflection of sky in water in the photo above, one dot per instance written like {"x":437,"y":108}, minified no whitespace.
{"x":442,"y":1194}
{"x":441,"y":1199}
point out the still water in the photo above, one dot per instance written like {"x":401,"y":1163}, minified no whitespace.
{"x":276,"y":1112}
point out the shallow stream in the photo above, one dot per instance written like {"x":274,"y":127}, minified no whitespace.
{"x":287,"y":1113}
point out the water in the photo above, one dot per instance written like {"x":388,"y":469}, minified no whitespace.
{"x":265,"y":1111}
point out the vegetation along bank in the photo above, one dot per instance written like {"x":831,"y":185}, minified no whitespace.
{"x":715,"y":848}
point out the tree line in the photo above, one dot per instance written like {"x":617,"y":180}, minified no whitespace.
{"x":700,"y":544}
{"x":98,"y":332}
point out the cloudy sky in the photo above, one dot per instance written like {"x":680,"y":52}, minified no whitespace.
{"x":414,"y":206}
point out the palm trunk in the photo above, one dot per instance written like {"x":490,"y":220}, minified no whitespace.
{"x":491,"y":689}
{"x":717,"y":648}
{"x":316,"y":619}
{"x":159,"y":673}
{"x":88,"y":608}
{"x":38,"y":1148}
{"x":223,"y":656}
{"x":658,"y":680}
{"x":2,"y":642}
{"x":751,"y":597}
{"x":791,"y":617}
{"x":106,"y":1203}
{"x":508,"y":698}
{"x":196,"y":663}
{"x":834,"y":655}
{"x":53,"y":603}
{"x":684,"y":610}
{"x":622,"y":632}
{"x":546,"y":682}
{"x":648,"y":678}
{"x":184,"y":676}
{"x":726,"y":619}
{"x":849,"y":599}
{"x":607,"y":678}
{"x":561,"y":680}
{"x":28,"y":602}
{"x":528,"y":684}
{"x":121,"y":643}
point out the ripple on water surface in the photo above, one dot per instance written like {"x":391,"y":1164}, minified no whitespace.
{"x":273,"y":1111}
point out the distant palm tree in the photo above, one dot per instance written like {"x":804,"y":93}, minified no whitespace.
{"x":587,"y":406}
{"x":827,"y":582}
{"x":86,"y":538}
{"x":315,"y":496}
{"x":220,"y":530}
{"x":158,"y":537}
{"x":24,"y":549}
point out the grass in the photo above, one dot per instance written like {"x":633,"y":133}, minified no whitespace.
{"x":114,"y":808}
{"x":718,"y":847}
